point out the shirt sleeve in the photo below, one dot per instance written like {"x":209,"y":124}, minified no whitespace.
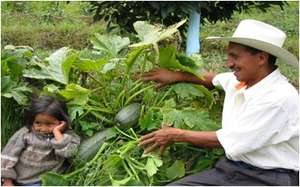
{"x":257,"y":128}
{"x":224,"y":80}
{"x":11,"y":152}
{"x":67,"y":147}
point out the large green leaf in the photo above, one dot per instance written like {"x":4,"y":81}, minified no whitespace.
{"x":168,"y":58}
{"x":17,"y":91}
{"x":152,"y":165}
{"x":177,"y":170}
{"x":189,"y":118}
{"x":88,"y":65}
{"x":57,"y":67}
{"x":133,"y":55}
{"x":198,"y":120}
{"x":151,"y":35}
{"x":77,"y":94}
{"x":186,"y":90}
{"x":110,"y":45}
{"x":173,"y":117}
{"x":53,"y":179}
{"x":15,"y":58}
{"x":50,"y":89}
{"x":151,"y":120}
{"x":75,"y":111}
{"x":122,"y":182}
{"x":203,"y":164}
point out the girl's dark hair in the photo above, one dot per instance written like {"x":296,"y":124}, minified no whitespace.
{"x":47,"y":105}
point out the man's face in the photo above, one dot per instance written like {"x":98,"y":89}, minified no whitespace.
{"x":244,"y":64}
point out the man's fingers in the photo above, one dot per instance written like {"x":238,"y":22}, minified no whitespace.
{"x":150,"y":135}
{"x":147,"y":141}
{"x":137,"y":76}
{"x":160,"y":85}
{"x":162,"y":149}
{"x":148,"y":78}
{"x":151,"y":148}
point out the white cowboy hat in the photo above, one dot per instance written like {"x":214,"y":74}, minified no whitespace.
{"x":262,"y":36}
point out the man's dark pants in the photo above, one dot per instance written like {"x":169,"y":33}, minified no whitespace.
{"x":231,"y":173}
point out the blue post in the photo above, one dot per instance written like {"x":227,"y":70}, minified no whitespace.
{"x":193,"y":39}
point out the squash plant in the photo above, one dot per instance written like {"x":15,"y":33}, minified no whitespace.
{"x":100,"y":90}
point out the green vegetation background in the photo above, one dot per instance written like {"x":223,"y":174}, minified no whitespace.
{"x":47,"y":26}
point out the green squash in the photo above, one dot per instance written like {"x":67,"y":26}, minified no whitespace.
{"x":128,"y":116}
{"x":89,"y":147}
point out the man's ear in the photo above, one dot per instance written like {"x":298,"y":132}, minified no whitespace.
{"x":263,"y":58}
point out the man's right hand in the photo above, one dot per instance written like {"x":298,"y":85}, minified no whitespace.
{"x":163,"y":77}
{"x":8,"y":182}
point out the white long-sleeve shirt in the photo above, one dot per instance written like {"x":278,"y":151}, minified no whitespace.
{"x":260,"y":124}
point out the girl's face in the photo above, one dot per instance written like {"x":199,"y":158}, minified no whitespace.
{"x":43,"y":123}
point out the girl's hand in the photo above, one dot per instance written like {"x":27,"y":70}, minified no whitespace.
{"x":61,"y":127}
{"x":8,"y":182}
{"x":58,"y":130}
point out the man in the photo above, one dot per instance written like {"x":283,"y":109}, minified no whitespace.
{"x":260,"y":123}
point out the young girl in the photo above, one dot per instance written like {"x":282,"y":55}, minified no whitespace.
{"x":42,"y":146}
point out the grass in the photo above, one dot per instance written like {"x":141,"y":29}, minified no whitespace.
{"x":48,"y":25}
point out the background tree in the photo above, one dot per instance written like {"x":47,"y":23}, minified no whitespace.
{"x":126,"y":13}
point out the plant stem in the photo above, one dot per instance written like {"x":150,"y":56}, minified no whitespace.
{"x":137,"y":93}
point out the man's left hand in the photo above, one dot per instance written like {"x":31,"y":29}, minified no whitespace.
{"x":159,"y":139}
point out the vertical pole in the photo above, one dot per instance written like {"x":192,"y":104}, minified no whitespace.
{"x":193,"y":39}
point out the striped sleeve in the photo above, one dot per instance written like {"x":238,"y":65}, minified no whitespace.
{"x":11,"y":152}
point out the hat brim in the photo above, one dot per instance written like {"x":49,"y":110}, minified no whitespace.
{"x":279,"y":52}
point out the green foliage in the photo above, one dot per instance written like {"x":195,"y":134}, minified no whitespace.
{"x":150,"y":34}
{"x":168,"y":58}
{"x":177,"y":170}
{"x":110,"y":46}
{"x":11,"y":89}
{"x":57,"y":67}
{"x":12,"y":118}
{"x":94,"y":96}
{"x":99,"y":85}
{"x":126,"y":13}
{"x":104,"y":77}
{"x":75,"y":94}
{"x":53,"y":179}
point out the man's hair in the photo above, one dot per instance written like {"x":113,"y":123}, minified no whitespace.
{"x":254,"y":51}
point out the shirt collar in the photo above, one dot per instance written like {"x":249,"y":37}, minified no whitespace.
{"x":263,"y":85}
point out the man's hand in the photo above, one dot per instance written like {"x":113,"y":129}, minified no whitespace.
{"x":162,"y":76}
{"x":160,"y":139}
{"x":8,"y":182}
{"x":165,"y":77}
